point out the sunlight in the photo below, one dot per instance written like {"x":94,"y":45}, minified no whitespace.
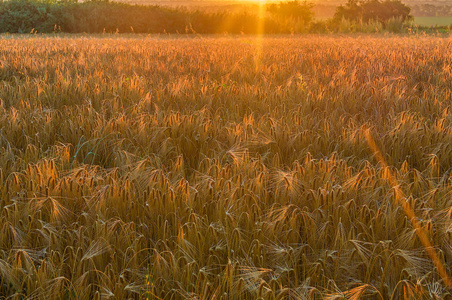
{"x":260,"y":34}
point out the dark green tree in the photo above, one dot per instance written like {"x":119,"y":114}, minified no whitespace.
{"x":27,"y":15}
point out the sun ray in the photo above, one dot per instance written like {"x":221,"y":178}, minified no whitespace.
{"x":260,"y":34}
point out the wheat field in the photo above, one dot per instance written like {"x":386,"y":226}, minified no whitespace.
{"x":189,"y":167}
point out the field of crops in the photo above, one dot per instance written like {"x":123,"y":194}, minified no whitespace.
{"x":433,"y":21}
{"x":225,"y":167}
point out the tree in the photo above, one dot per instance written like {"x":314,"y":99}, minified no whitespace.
{"x":373,"y":10}
{"x":292,"y":9}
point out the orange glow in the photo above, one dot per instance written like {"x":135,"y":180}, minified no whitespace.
{"x":260,"y":35}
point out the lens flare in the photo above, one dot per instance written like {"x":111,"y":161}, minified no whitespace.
{"x":399,"y":199}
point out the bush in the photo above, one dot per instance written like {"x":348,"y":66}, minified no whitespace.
{"x":319,"y":27}
{"x":395,"y":25}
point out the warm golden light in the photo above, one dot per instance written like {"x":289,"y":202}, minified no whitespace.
{"x":260,"y":34}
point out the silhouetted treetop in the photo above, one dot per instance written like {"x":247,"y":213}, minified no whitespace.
{"x":292,"y":9}
{"x":373,"y":10}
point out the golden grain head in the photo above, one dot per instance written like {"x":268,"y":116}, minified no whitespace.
{"x":132,"y":169}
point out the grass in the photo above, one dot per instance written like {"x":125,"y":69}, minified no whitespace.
{"x":150,"y":167}
{"x":433,"y":21}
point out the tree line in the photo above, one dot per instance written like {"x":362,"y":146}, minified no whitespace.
{"x":97,"y":16}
